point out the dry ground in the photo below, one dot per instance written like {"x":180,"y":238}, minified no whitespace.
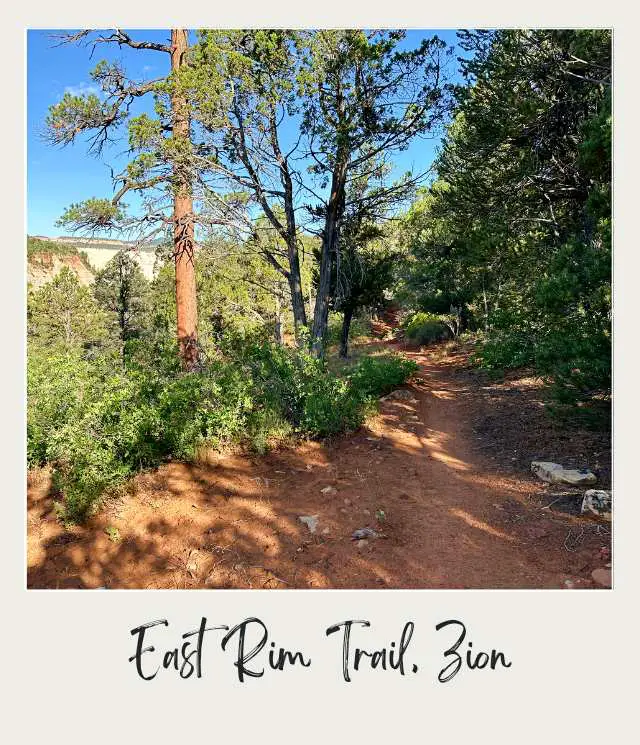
{"x":449,"y":469}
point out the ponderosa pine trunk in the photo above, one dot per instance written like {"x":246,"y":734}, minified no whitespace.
{"x":183,"y":221}
{"x":347,"y":315}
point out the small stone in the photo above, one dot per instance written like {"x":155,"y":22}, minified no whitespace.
{"x":597,"y":502}
{"x":362,"y":543}
{"x":311,"y":521}
{"x":554,"y":473}
{"x":364,"y":533}
{"x":602,"y":577}
{"x":569,"y":584}
{"x":325,"y":531}
{"x":347,"y":502}
{"x":366,"y":512}
{"x":328,"y":490}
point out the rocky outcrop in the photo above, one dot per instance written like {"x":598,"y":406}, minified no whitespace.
{"x":43,"y":267}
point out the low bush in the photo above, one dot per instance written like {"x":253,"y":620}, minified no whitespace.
{"x":375,"y":376}
{"x":360,"y":326}
{"x":97,"y":424}
{"x":426,"y":328}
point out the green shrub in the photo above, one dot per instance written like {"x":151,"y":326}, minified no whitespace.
{"x":98,"y":423}
{"x":315,"y":402}
{"x":375,"y":376}
{"x":504,"y":349}
{"x":360,"y":326}
{"x":426,"y":328}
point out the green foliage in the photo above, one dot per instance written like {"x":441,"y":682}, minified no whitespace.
{"x":376,"y":376}
{"x":113,"y":533}
{"x":93,"y":215}
{"x":121,"y":288}
{"x":72,"y":115}
{"x":97,"y":424}
{"x":516,"y":231}
{"x":290,"y":381}
{"x":360,"y":326}
{"x":425,"y":328}
{"x":62,"y":313}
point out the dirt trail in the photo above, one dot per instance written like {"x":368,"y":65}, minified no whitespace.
{"x":450,"y":520}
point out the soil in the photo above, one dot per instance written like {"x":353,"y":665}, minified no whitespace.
{"x":441,"y":476}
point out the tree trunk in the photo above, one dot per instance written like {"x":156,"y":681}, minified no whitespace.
{"x":486,"y":307}
{"x":297,"y":297}
{"x":183,"y":222}
{"x":278,"y":323}
{"x":295,"y":281}
{"x":346,"y":325}
{"x":329,"y":249}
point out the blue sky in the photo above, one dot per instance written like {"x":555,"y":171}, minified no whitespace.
{"x":57,"y":177}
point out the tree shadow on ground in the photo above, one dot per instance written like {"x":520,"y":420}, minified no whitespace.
{"x":442,"y":517}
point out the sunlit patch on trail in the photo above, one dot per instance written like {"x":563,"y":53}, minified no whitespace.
{"x":480,"y":524}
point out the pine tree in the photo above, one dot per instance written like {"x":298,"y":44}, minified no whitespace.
{"x":63,"y":314}
{"x":162,"y":166}
{"x":121,"y":288}
{"x":364,"y":99}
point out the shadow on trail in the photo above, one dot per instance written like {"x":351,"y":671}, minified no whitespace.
{"x":412,"y":475}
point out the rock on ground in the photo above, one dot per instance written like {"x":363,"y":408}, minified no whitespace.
{"x":597,"y":502}
{"x":311,"y":521}
{"x":363,"y":533}
{"x":554,"y":473}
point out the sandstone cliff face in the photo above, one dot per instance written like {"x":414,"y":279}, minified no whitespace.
{"x":43,"y":267}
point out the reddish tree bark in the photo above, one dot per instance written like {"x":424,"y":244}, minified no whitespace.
{"x":183,"y":221}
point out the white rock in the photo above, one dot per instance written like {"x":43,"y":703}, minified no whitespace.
{"x":328,"y":490}
{"x":597,"y":502}
{"x":311,"y":521}
{"x":554,"y":473}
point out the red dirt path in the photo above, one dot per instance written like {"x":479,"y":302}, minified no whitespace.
{"x":450,"y":521}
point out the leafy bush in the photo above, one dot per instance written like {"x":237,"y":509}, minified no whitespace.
{"x":375,"y":376}
{"x":426,"y":328}
{"x":566,"y":331}
{"x":360,"y":326}
{"x":98,"y":424}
